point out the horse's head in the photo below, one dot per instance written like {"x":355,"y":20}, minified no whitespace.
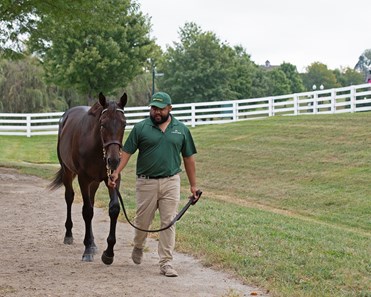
{"x":112,"y":127}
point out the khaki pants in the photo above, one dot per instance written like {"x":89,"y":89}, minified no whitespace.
{"x":162,"y":194}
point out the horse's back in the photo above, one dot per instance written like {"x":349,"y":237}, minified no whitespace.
{"x":71,"y":129}
{"x":73,"y":116}
{"x":71,"y":123}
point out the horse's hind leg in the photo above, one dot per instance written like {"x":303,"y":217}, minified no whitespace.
{"x":88,"y":192}
{"x":69,"y":195}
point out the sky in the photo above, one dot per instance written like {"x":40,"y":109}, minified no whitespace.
{"x":299,"y":32}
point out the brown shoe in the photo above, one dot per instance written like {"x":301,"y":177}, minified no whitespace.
{"x":137,"y":255}
{"x":168,"y":270}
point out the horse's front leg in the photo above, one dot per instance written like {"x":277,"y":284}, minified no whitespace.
{"x":114,"y":211}
{"x":88,"y":193}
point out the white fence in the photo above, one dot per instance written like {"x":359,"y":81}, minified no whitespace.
{"x":342,"y":100}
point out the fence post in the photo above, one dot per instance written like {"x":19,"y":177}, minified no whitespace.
{"x":270,"y":106}
{"x":28,"y":125}
{"x":333,"y":101}
{"x":315,"y":102}
{"x":296,"y":104}
{"x":353,"y":99}
{"x":235,"y":111}
{"x":193,"y":115}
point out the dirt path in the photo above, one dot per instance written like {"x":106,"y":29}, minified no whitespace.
{"x":35,"y":262}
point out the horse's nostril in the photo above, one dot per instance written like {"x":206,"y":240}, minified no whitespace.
{"x":113,"y":163}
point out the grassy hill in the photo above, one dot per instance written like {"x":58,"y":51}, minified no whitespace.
{"x":286,"y":203}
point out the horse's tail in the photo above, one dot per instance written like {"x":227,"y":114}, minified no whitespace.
{"x":57,"y":181}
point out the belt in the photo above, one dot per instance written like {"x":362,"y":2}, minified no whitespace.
{"x":153,"y":177}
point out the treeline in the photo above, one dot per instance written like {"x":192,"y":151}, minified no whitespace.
{"x":68,"y":59}
{"x":202,"y":68}
{"x":23,"y":88}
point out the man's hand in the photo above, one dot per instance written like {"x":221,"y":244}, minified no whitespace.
{"x":112,"y":179}
{"x":195,"y":192}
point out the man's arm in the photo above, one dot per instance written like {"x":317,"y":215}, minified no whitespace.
{"x":123,"y":161}
{"x":190,"y":167}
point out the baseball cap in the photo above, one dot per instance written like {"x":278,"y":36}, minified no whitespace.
{"x":160,"y":100}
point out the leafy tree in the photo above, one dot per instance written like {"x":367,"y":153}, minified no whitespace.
{"x":22,"y":19}
{"x":367,"y":53}
{"x":96,"y":56}
{"x":318,"y":74}
{"x":21,"y":86}
{"x":347,"y":77}
{"x":23,"y":89}
{"x":278,"y":83}
{"x":364,"y":64}
{"x":260,"y":82}
{"x":242,"y":74}
{"x":292,"y":74}
{"x":139,"y":90}
{"x":62,"y":99}
{"x":202,"y":68}
{"x":90,"y":46}
{"x":193,"y":69}
{"x":25,"y":19}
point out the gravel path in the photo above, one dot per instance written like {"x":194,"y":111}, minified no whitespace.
{"x":35,"y":262}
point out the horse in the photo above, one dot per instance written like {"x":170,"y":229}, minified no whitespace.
{"x":89,"y":147}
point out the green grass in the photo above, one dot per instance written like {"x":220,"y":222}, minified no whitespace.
{"x":286,"y":203}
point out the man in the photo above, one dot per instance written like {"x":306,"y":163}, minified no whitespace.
{"x":161,"y":140}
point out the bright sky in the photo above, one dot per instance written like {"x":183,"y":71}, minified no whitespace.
{"x":333,"y":32}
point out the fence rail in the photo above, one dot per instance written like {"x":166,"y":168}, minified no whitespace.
{"x":341,"y":100}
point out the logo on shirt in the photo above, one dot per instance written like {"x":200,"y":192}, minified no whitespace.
{"x":175,"y":132}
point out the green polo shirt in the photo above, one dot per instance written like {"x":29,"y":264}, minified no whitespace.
{"x":160,"y":152}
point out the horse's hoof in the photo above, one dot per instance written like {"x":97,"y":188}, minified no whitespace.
{"x":68,"y":240}
{"x":88,"y":257}
{"x":106,"y":259}
{"x":94,"y":250}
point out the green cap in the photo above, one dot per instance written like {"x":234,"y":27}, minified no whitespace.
{"x":160,"y":100}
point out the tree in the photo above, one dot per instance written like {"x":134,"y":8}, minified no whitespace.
{"x":347,"y":77}
{"x":260,"y":82}
{"x":90,"y":46}
{"x":292,"y":74}
{"x":22,"y":19}
{"x":21,"y":86}
{"x":318,"y":74}
{"x":96,"y":56}
{"x":202,"y":68}
{"x":364,"y":64}
{"x":278,"y":83}
{"x":242,"y":74}
{"x":23,"y":89}
{"x":193,"y":67}
{"x":139,"y":90}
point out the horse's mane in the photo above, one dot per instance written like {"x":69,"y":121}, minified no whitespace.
{"x":96,"y":109}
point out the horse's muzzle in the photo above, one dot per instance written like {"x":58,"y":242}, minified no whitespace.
{"x":112,"y":163}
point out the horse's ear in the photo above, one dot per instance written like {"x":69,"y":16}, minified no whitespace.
{"x":102,"y":99}
{"x":123,"y":100}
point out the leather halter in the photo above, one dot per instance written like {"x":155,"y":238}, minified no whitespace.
{"x":107,"y":144}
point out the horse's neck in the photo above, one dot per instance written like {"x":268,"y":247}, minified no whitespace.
{"x":92,"y":130}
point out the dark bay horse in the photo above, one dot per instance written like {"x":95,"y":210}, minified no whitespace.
{"x":89,"y":147}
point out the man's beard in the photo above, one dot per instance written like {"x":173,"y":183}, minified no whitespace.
{"x":159,"y":121}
